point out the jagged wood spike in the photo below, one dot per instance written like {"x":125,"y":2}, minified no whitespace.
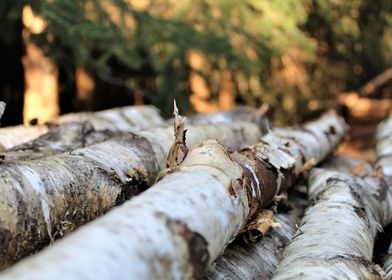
{"x":182,"y":224}
{"x":336,"y":236}
{"x":179,"y":149}
{"x":56,"y":194}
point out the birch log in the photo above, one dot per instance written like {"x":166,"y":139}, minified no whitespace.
{"x":72,"y":135}
{"x":63,"y":138}
{"x":384,"y":164}
{"x":259,"y":261}
{"x":239,"y":113}
{"x":182,"y":224}
{"x":118,"y":119}
{"x":46,"y":198}
{"x":384,"y":148}
{"x":388,"y":264}
{"x":336,"y":237}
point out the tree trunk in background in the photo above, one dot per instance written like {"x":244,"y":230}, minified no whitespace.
{"x":51,"y":196}
{"x":117,"y":119}
{"x":11,"y":68}
{"x":227,"y":94}
{"x":384,"y":164}
{"x":259,"y":260}
{"x":182,"y":224}
{"x":336,"y":236}
{"x":41,"y":77}
{"x":85,"y":86}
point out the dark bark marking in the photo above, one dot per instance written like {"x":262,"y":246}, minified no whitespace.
{"x":197,"y":245}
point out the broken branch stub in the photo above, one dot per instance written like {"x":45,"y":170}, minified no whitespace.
{"x":179,"y":149}
{"x":179,"y":227}
{"x":336,"y":236}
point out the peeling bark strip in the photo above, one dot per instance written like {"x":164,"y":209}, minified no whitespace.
{"x":384,"y":164}
{"x":336,"y":236}
{"x":118,"y":119}
{"x":259,"y":261}
{"x":55,"y":194}
{"x":206,"y":196}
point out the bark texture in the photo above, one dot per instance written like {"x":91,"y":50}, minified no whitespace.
{"x":259,"y":261}
{"x":46,"y":198}
{"x":384,"y":164}
{"x":118,"y":119}
{"x":336,"y":237}
{"x":239,"y":113}
{"x":384,"y":149}
{"x":182,"y":224}
{"x":63,"y":138}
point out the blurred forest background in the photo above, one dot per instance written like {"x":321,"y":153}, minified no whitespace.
{"x":59,"y":56}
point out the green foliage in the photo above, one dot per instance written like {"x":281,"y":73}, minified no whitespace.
{"x":356,"y":35}
{"x":283,"y":52}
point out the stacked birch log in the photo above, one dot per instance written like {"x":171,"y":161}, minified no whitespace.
{"x":208,"y":202}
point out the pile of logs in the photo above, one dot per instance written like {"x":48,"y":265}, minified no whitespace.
{"x":224,"y":196}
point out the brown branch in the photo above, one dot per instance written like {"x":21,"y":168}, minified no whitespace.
{"x":372,"y":86}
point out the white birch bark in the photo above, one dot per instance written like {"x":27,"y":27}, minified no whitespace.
{"x":336,"y":237}
{"x":239,"y":113}
{"x":182,"y":224}
{"x":384,"y":148}
{"x":384,"y":164}
{"x":55,"y":194}
{"x":259,"y":260}
{"x":118,"y":119}
{"x":63,"y":138}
